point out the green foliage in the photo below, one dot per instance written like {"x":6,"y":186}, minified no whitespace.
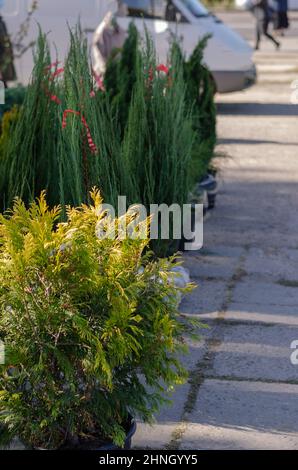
{"x":154,"y":132}
{"x":158,"y":137}
{"x":79,"y":168}
{"x":42,"y":155}
{"x":13,"y":97}
{"x":200,"y":95}
{"x":122,"y":77}
{"x":30,"y":165}
{"x":8,"y":123}
{"x":90,"y":326}
{"x":10,"y":118}
{"x":121,"y":74}
{"x":160,"y":153}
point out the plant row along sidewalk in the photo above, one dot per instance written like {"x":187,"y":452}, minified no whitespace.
{"x":90,"y":325}
{"x":146,"y":132}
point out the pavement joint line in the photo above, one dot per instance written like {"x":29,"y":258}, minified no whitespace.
{"x":269,"y":303}
{"x":232,"y":378}
{"x":176,"y":436}
{"x":232,"y":322}
{"x":238,"y":275}
{"x":251,"y":277}
{"x":240,"y":322}
{"x":198,"y":375}
{"x":288,"y":283}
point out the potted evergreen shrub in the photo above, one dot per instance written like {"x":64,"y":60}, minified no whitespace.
{"x":200,"y":95}
{"x":90,"y":327}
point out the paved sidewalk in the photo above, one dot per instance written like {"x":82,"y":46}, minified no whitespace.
{"x":243,"y":389}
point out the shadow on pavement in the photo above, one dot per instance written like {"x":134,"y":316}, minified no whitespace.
{"x":258,"y":109}
{"x":253,"y":142}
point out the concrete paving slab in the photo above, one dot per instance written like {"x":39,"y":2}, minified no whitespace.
{"x":203,"y":437}
{"x":243,"y":415}
{"x":256,"y":353}
{"x":215,"y":262}
{"x":196,"y":349}
{"x":153,"y":437}
{"x":273,"y":264}
{"x":206,"y":298}
{"x":159,"y":434}
{"x":265,"y":293}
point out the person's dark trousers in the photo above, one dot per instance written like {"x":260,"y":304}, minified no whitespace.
{"x":261,"y":14}
{"x":262,"y":28}
{"x":259,"y":29}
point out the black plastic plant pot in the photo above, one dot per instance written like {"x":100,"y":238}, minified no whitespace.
{"x":211,"y":200}
{"x":209,"y":184}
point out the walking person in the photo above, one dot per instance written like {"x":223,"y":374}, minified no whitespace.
{"x":261,"y":11}
{"x":281,"y":19}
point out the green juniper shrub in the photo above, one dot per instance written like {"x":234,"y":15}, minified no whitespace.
{"x":41,"y":154}
{"x":148,"y":140}
{"x":121,"y":74}
{"x":159,"y":137}
{"x":200,"y":95}
{"x":29,"y":164}
{"x":90,"y":326}
{"x":146,"y":137}
{"x":79,"y":167}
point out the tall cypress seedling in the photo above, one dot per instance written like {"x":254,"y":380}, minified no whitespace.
{"x":159,"y":137}
{"x":121,"y":74}
{"x":200,"y":95}
{"x":30,"y":163}
{"x":81,"y":167}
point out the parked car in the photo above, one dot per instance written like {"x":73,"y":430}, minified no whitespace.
{"x":228,"y":56}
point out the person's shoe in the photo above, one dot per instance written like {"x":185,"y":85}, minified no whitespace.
{"x":257,"y":48}
{"x":278,"y":46}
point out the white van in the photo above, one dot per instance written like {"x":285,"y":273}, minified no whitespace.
{"x":228,"y":56}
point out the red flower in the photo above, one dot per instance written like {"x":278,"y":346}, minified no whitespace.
{"x":55,"y":99}
{"x":53,"y":65}
{"x":56,"y":73}
{"x":162,"y":68}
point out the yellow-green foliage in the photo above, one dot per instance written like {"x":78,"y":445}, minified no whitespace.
{"x":8,"y":121}
{"x":90,"y":326}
